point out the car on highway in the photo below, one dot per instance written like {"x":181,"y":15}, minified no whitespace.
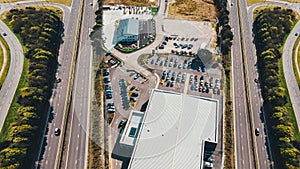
{"x":58,"y":80}
{"x":256,"y":80}
{"x":56,"y":131}
{"x":257,"y":132}
{"x":297,"y":33}
{"x":91,"y":4}
{"x":4,"y":34}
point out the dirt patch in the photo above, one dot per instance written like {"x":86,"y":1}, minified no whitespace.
{"x":131,"y":2}
{"x":199,"y":10}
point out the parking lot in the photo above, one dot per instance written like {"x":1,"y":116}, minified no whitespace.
{"x":128,"y":90}
{"x":177,"y":74}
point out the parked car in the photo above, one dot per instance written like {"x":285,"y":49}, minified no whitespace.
{"x":203,"y":68}
{"x":134,"y":94}
{"x":137,"y":76}
{"x":132,"y":88}
{"x":122,"y":123}
{"x":105,"y":72}
{"x":106,"y":80}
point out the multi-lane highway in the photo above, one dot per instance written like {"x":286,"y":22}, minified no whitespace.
{"x":59,"y":96}
{"x":243,"y":154}
{"x":77,"y":140}
{"x":260,"y":142}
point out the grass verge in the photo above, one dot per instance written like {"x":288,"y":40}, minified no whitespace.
{"x":288,"y":104}
{"x":229,"y":134}
{"x":14,"y":105}
{"x":187,"y":9}
{"x":2,"y":78}
{"x":95,"y":158}
{"x":297,"y":76}
{"x":64,"y":2}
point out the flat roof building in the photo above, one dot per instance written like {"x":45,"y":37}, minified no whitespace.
{"x":127,"y":31}
{"x":178,"y":131}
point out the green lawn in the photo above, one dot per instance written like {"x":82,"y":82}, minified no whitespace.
{"x":298,"y":61}
{"x":288,"y":105}
{"x":65,"y":2}
{"x":1,"y":58}
{"x":2,"y":78}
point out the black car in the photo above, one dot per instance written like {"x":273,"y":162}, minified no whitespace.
{"x":57,"y":131}
{"x":134,"y":94}
{"x":132,"y":88}
{"x":122,"y":123}
{"x":257,"y":132}
{"x":105,"y":72}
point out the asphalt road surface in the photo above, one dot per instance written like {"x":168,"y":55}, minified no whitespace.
{"x":11,"y":82}
{"x":243,"y":154}
{"x":261,"y":141}
{"x":48,"y":156}
{"x":77,"y":142}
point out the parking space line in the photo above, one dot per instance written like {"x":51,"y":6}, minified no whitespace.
{"x":186,"y":83}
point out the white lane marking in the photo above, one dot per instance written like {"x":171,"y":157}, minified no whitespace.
{"x":242,"y":148}
{"x":49,"y":148}
{"x":75,"y":162}
{"x":46,"y":161}
{"x":76,"y":148}
{"x":78,"y":135}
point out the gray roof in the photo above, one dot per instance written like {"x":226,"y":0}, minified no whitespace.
{"x":128,"y":27}
{"x":173,"y":131}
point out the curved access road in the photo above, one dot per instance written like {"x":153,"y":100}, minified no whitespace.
{"x":11,"y":82}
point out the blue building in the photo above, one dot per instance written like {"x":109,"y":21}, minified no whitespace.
{"x":126,"y":32}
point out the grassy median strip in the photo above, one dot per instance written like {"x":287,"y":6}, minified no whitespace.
{"x":6,"y":66}
{"x":297,"y":76}
{"x":288,"y":105}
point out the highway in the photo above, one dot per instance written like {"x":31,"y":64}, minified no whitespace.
{"x":256,"y":101}
{"x":48,"y":158}
{"x":261,"y":141}
{"x":243,"y":154}
{"x":77,"y":140}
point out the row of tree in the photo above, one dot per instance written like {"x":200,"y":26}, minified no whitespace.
{"x":225,"y":36}
{"x":271,"y":26}
{"x":40,"y":31}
